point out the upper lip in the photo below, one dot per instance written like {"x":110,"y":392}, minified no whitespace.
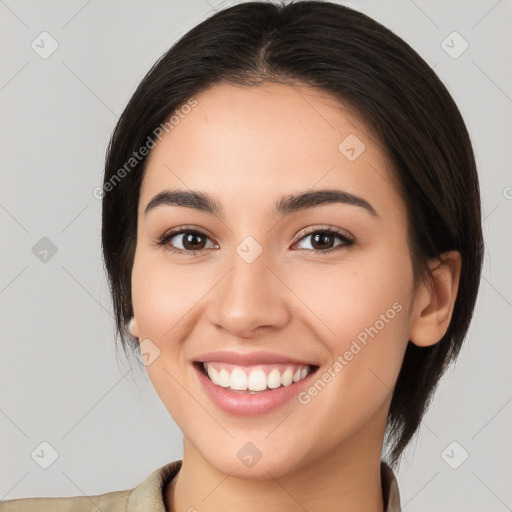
{"x":249,"y":358}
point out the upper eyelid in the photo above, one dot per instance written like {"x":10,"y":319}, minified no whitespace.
{"x":310,"y":230}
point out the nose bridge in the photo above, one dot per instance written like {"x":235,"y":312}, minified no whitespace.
{"x":250,"y":295}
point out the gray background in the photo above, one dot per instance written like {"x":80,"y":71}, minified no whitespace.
{"x":61,"y":382}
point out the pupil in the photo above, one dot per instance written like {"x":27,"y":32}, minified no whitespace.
{"x":324,"y":239}
{"x":190,"y":237}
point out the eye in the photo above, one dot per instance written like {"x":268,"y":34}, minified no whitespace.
{"x":194,"y":240}
{"x":322,"y":239}
{"x":191,"y":240}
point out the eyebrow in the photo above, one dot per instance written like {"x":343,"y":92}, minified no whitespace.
{"x":286,"y":205}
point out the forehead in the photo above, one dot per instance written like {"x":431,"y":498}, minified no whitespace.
{"x":246,"y":143}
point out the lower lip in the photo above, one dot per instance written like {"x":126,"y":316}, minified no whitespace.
{"x":246,"y":404}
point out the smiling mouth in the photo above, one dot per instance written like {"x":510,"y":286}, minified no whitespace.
{"x":257,"y":378}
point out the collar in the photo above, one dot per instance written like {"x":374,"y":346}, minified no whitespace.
{"x":149,"y":495}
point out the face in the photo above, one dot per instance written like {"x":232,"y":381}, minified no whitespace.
{"x":327,"y":283}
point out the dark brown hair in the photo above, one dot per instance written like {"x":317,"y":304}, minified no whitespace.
{"x":365,"y":66}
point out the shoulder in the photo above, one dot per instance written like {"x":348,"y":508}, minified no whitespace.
{"x":147,"y":496}
{"x":108,"y":502}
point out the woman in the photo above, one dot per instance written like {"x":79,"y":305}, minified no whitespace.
{"x":292,"y":234}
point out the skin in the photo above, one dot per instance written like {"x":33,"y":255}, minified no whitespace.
{"x":247,"y":147}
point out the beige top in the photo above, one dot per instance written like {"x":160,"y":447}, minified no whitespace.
{"x":149,"y":496}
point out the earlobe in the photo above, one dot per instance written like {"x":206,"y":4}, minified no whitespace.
{"x":434,"y":303}
{"x":133,"y":327}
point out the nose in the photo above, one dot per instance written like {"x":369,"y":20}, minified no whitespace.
{"x":251,"y":299}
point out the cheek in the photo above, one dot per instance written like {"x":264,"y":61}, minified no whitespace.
{"x":163,"y":301}
{"x":346,"y":299}
{"x":163,"y":297}
{"x":364,"y":329}
{"x":360,"y":312}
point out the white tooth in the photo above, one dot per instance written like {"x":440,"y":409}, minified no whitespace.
{"x":238,"y":380}
{"x":224,"y":378}
{"x":274,"y":379}
{"x":257,"y":380}
{"x":287,"y":377}
{"x":212,"y":373}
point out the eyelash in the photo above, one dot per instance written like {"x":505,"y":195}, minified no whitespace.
{"x":164,"y":240}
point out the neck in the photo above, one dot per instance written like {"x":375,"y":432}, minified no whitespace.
{"x":345,"y":478}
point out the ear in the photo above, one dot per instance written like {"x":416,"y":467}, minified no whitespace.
{"x":133,"y":327}
{"x":433,"y":304}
